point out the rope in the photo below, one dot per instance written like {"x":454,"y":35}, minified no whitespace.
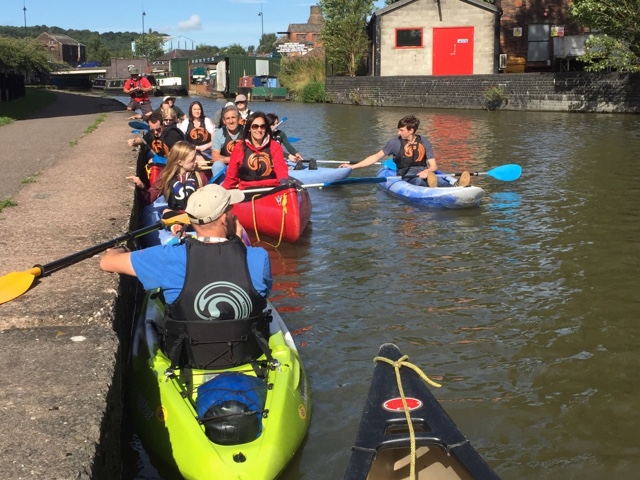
{"x":255,"y":221}
{"x":396,"y":365}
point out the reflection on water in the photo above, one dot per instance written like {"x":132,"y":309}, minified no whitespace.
{"x":525,"y":307}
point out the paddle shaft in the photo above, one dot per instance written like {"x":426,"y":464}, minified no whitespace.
{"x":337,"y":183}
{"x":91,"y":251}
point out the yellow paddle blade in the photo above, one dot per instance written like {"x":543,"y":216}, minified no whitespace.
{"x":16,"y":283}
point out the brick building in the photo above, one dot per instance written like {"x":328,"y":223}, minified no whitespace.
{"x":63,"y":49}
{"x":301,"y":38}
{"x":538,"y":35}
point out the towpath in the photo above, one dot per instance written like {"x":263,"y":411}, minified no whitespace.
{"x":60,"y":405}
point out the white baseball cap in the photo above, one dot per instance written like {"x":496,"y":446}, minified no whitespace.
{"x":209,"y":202}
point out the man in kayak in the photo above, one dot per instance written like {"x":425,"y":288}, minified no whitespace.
{"x":200,"y":276}
{"x":243,"y":109}
{"x":413,"y":156}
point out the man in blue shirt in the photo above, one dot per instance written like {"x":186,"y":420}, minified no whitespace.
{"x":208,"y":277}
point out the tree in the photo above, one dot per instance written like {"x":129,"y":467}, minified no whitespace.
{"x":150,"y":45}
{"x":267,"y":43}
{"x":617,"y":19}
{"x":344,"y":33}
{"x":234,"y":49}
{"x":210,"y":49}
{"x":23,"y":54}
{"x":97,"y":51}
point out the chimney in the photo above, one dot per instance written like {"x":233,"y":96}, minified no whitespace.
{"x":316,"y":15}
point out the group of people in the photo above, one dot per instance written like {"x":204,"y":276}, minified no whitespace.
{"x":243,"y":152}
{"x":247,"y":146}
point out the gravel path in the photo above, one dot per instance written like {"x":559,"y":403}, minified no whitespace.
{"x":60,"y":400}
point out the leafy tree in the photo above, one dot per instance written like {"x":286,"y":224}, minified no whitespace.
{"x":150,"y":45}
{"x":97,"y":51}
{"x":267,"y":43}
{"x":251,"y":49}
{"x":618,"y":19}
{"x":607,"y":53}
{"x":210,"y":49}
{"x":234,"y":49}
{"x":344,"y":33}
{"x":23,"y":54}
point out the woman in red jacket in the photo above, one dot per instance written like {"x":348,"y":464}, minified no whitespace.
{"x":256,"y":161}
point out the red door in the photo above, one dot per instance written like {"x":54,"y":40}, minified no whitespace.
{"x":453,"y":51}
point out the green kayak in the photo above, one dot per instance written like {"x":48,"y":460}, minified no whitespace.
{"x":255,"y":444}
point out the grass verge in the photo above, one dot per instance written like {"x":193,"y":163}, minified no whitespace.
{"x":20,"y":108}
{"x":7,"y":203}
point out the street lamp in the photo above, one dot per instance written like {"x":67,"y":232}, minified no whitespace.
{"x":261,"y":22}
{"x":143,"y":15}
{"x":24,"y":9}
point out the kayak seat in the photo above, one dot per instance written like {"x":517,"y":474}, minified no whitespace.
{"x":216,"y":344}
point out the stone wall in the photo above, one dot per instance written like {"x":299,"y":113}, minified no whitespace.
{"x":569,"y":92}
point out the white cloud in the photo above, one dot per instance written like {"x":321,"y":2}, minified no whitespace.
{"x":193,"y":23}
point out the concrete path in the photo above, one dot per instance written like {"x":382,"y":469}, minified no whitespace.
{"x":60,"y":401}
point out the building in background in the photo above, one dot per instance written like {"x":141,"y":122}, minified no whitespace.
{"x":301,"y":38}
{"x":63,"y":49}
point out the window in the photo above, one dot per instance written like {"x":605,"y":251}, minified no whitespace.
{"x":538,"y":47}
{"x":408,"y":37}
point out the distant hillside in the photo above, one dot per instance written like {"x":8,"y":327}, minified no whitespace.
{"x":118,"y":43}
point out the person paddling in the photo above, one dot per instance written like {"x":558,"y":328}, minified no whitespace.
{"x":413,"y":156}
{"x":279,"y":136}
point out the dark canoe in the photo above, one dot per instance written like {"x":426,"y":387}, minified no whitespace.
{"x":382,"y":449}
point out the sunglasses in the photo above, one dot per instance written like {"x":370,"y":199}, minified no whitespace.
{"x":167,"y":119}
{"x":159,"y":129}
{"x":256,"y":126}
{"x":238,"y":103}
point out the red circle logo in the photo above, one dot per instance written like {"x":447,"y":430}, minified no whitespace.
{"x":395,"y":404}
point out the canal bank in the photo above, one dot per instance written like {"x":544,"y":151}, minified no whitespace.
{"x":62,"y":343}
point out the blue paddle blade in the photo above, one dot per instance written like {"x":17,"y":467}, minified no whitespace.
{"x":158,"y":160}
{"x":293,"y":139}
{"x":139,"y":125}
{"x":506,"y":173}
{"x":390,"y":164}
{"x":219,"y":175}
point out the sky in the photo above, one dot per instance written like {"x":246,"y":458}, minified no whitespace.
{"x":210,"y":22}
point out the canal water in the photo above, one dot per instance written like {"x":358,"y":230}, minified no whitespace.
{"x":525,"y":309}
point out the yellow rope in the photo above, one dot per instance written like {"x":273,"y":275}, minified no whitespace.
{"x":396,"y":365}
{"x":255,"y":220}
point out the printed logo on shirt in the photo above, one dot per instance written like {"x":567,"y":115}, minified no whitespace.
{"x":260,"y":162}
{"x":410,"y":148}
{"x":199,"y":135}
{"x":219,"y":297}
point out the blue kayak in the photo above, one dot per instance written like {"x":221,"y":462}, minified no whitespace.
{"x":153,"y":214}
{"x":320,"y":175}
{"x":441,"y":197}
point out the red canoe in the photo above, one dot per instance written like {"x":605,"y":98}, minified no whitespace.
{"x":282,"y":213}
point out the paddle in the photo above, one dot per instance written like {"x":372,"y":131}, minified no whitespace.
{"x":337,"y":183}
{"x":505,"y":173}
{"x":15,"y":284}
{"x":139,"y":125}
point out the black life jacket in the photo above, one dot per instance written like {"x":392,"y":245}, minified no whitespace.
{"x":161,"y":146}
{"x":218,"y":320}
{"x":410,"y":155}
{"x":257,"y":164}
{"x":198,"y":135}
{"x":229,"y":143}
{"x":181,"y":190}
